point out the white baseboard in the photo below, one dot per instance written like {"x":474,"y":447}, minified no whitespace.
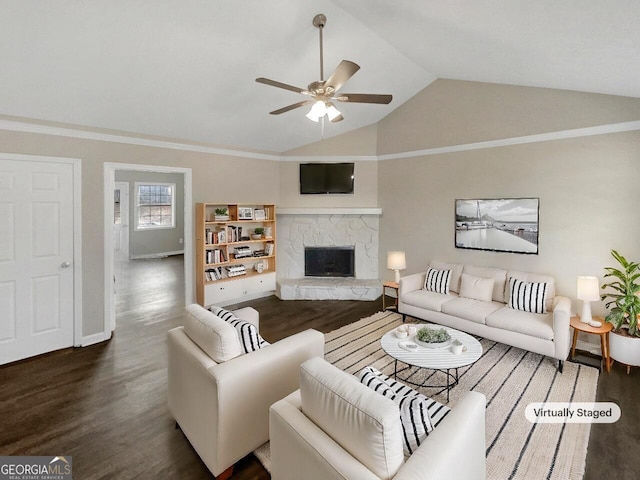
{"x":156,"y":255}
{"x":93,"y":339}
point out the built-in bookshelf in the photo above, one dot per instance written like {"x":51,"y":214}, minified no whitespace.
{"x":235,"y":252}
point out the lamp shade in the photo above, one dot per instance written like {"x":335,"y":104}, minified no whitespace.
{"x":588,"y":289}
{"x":396,"y":261}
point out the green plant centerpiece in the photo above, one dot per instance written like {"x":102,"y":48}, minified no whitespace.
{"x":432,"y":335}
{"x":624,"y":294}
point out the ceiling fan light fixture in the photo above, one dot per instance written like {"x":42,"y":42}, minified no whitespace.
{"x":332,"y":112}
{"x":311,"y":116}
{"x":318,"y":110}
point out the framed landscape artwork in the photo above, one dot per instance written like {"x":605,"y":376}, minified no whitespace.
{"x":498,"y":225}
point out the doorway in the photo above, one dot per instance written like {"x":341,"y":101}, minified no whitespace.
{"x":141,"y":216}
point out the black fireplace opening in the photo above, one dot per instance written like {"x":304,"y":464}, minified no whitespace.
{"x":329,"y":261}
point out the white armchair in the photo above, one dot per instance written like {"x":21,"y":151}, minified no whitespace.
{"x":222,"y":407}
{"x":334,"y":427}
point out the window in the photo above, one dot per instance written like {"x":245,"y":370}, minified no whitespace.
{"x":155,"y":205}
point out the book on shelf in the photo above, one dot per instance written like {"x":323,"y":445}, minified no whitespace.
{"x":236,"y":270}
{"x":215,"y":256}
{"x":212,"y":274}
{"x":242,"y":252}
{"x":269,"y":249}
{"x":214,"y":238}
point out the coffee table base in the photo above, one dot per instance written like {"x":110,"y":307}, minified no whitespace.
{"x":452,"y":379}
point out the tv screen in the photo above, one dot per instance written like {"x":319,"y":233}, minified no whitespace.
{"x":322,"y":178}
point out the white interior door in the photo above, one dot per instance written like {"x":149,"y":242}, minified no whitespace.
{"x":36,"y":258}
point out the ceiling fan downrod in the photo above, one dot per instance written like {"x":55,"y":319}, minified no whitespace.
{"x":319,"y":21}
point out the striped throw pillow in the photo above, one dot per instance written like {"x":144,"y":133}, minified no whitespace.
{"x":437,"y":280}
{"x":415,"y":409}
{"x":527,"y":296}
{"x":250,"y":339}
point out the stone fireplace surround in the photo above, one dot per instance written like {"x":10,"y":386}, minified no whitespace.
{"x":298,"y":228}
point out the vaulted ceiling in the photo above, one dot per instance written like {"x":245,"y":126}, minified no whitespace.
{"x":186,"y":69}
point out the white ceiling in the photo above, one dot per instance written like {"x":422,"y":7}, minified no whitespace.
{"x":185,"y":69}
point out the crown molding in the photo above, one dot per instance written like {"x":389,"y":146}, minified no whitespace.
{"x":541,"y":137}
{"x":328,"y":158}
{"x":106,"y":137}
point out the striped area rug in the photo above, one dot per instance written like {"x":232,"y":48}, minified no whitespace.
{"x":510,"y":378}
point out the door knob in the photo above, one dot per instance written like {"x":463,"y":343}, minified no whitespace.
{"x":65,"y":265}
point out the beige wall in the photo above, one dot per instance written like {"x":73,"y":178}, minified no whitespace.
{"x":454,"y":112}
{"x":589,"y":197}
{"x":365,"y":187}
{"x":215,"y":178}
{"x":362,"y":141}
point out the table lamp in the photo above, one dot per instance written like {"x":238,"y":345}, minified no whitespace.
{"x":588,"y":291}
{"x":396,"y":261}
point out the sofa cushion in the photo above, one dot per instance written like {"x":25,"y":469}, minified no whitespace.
{"x":250,"y":339}
{"x":365,"y":424}
{"x":414,"y":409}
{"x":472,"y":310}
{"x":533,"y":277}
{"x":456,"y":271}
{"x":216,"y":337}
{"x":437,"y":280}
{"x":476,"y":288}
{"x":428,"y":300}
{"x":527,"y":296}
{"x":499,"y":279}
{"x":531,"y":324}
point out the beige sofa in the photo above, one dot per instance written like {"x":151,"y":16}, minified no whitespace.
{"x":335,"y":427}
{"x":547,"y":334}
{"x":221,"y":398}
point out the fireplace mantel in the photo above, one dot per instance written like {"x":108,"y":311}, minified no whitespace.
{"x":330,"y":211}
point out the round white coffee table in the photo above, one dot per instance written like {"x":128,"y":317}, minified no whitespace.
{"x":439,"y":359}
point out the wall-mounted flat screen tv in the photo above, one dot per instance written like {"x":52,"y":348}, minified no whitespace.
{"x":323,"y":178}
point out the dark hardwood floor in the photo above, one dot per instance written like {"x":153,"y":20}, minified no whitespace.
{"x":105,"y":405}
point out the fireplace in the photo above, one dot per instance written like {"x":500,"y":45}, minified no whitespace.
{"x":329,"y":261}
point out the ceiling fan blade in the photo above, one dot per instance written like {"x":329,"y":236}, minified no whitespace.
{"x":339,"y":118}
{"x":273,"y":83}
{"x":364,"y":98}
{"x":291,"y":107}
{"x":344,"y":72}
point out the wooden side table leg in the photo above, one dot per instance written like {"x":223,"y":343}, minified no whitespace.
{"x":603,"y":350}
{"x":384,"y":290}
{"x":606,"y":346}
{"x":573,"y":345}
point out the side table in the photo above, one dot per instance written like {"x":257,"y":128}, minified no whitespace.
{"x":603,"y":331}
{"x":394,"y":286}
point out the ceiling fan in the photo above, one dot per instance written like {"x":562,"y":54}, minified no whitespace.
{"x":323,"y":92}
